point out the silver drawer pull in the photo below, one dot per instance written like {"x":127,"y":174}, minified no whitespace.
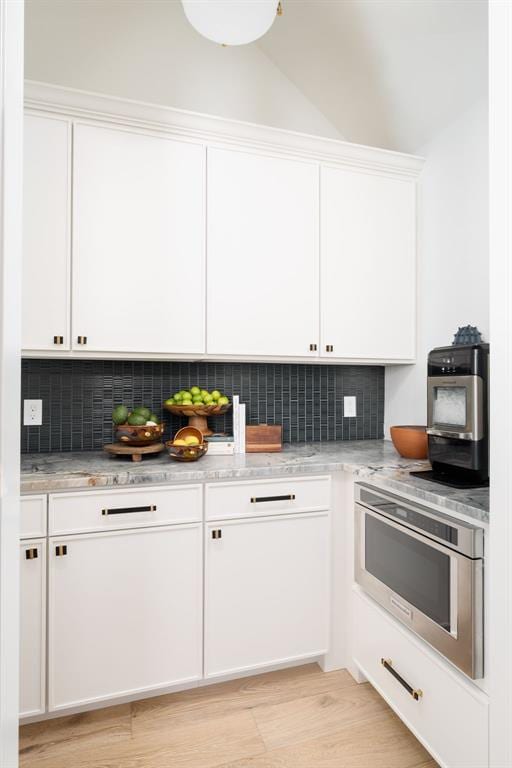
{"x":259,"y":499}
{"x":128,"y":510}
{"x":416,"y":693}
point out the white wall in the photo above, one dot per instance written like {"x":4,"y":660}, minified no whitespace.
{"x":453,"y":279}
{"x":146,"y":50}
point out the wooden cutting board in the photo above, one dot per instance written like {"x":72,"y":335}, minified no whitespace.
{"x":263,"y":438}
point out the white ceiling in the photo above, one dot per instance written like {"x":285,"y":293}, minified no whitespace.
{"x":385,"y":72}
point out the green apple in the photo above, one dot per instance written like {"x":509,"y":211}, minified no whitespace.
{"x":204,"y":392}
{"x":170,"y":401}
{"x":223,"y":400}
{"x":195,"y":391}
{"x":207,"y":399}
{"x":178,"y":397}
{"x":216,"y":394}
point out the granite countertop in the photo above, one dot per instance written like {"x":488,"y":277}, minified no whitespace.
{"x":373,"y":460}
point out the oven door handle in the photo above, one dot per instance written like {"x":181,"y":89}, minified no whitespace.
{"x":449,"y":433}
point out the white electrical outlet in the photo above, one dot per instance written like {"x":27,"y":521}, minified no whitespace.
{"x":32,"y":413}
{"x":349,"y":407}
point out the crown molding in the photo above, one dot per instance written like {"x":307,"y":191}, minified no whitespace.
{"x":84,"y":105}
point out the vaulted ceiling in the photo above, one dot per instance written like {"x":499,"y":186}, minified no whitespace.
{"x":385,"y":72}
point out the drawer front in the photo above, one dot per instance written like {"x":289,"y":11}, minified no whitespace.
{"x":448,"y":714}
{"x":32,"y":517}
{"x":132,"y":508}
{"x":224,"y":501}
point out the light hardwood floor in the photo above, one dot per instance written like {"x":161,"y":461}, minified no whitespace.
{"x":294,"y":718}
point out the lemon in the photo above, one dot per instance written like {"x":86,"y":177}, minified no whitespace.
{"x":191,"y":440}
{"x":179,"y":442}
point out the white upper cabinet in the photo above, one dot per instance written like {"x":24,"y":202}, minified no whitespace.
{"x":263,"y":288}
{"x":368,"y":265}
{"x":46,"y":234}
{"x":138,"y":242}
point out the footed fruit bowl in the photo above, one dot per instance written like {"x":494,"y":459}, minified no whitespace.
{"x":198,"y":414}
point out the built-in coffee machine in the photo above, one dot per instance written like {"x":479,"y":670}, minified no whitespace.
{"x":458,"y":415}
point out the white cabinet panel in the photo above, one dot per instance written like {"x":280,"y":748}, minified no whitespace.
{"x":125,"y":613}
{"x":33,"y":516}
{"x":46,"y":234}
{"x":262,"y":255}
{"x":368,"y":265}
{"x":450,"y":716}
{"x":138,"y":242}
{"x":266,"y":591}
{"x":254,"y":498}
{"x":32,"y":627}
{"x":83,"y":512}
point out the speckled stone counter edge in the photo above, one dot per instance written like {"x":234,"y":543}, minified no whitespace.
{"x":376,"y":461}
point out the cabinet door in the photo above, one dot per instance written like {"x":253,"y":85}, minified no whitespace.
{"x":32,"y":627}
{"x":138,"y":242}
{"x":266,"y":592}
{"x":368,"y":266}
{"x":262,"y":255}
{"x":125,"y":613}
{"x":46,"y":236}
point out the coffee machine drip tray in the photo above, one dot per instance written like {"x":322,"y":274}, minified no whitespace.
{"x":450,"y":479}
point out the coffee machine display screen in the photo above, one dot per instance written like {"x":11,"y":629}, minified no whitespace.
{"x":449,"y":406}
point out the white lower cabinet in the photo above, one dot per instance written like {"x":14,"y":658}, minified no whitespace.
{"x":125,"y":613}
{"x":448,"y":714}
{"x":266,"y":591}
{"x":32,"y":627}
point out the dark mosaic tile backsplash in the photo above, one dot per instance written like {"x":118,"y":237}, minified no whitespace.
{"x":79,"y":396}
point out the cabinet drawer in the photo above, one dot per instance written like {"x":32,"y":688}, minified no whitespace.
{"x":449,"y":716}
{"x":32,"y":517}
{"x":252,"y":499}
{"x":131,"y":508}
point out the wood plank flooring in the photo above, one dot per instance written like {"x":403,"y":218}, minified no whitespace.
{"x":294,"y":718}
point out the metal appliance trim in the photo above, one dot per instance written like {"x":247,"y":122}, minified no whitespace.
{"x":463,"y":647}
{"x":474,"y":426}
{"x":471,"y":537}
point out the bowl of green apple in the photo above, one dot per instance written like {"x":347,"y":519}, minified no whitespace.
{"x":198,"y":404}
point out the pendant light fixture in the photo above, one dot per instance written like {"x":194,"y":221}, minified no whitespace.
{"x":231,"y":22}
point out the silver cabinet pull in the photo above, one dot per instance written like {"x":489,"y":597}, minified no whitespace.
{"x":260,"y":499}
{"x":128,"y":510}
{"x":416,"y":693}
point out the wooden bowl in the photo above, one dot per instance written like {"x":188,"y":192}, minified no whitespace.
{"x":198,"y":414}
{"x":145,"y":435}
{"x":187,"y":452}
{"x":198,"y":410}
{"x":411,"y":442}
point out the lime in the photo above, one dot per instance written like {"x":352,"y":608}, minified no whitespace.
{"x":142,"y":411}
{"x":136,"y":420}
{"x":120,"y":414}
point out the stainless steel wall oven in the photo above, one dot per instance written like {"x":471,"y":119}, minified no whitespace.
{"x":426,"y":569}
